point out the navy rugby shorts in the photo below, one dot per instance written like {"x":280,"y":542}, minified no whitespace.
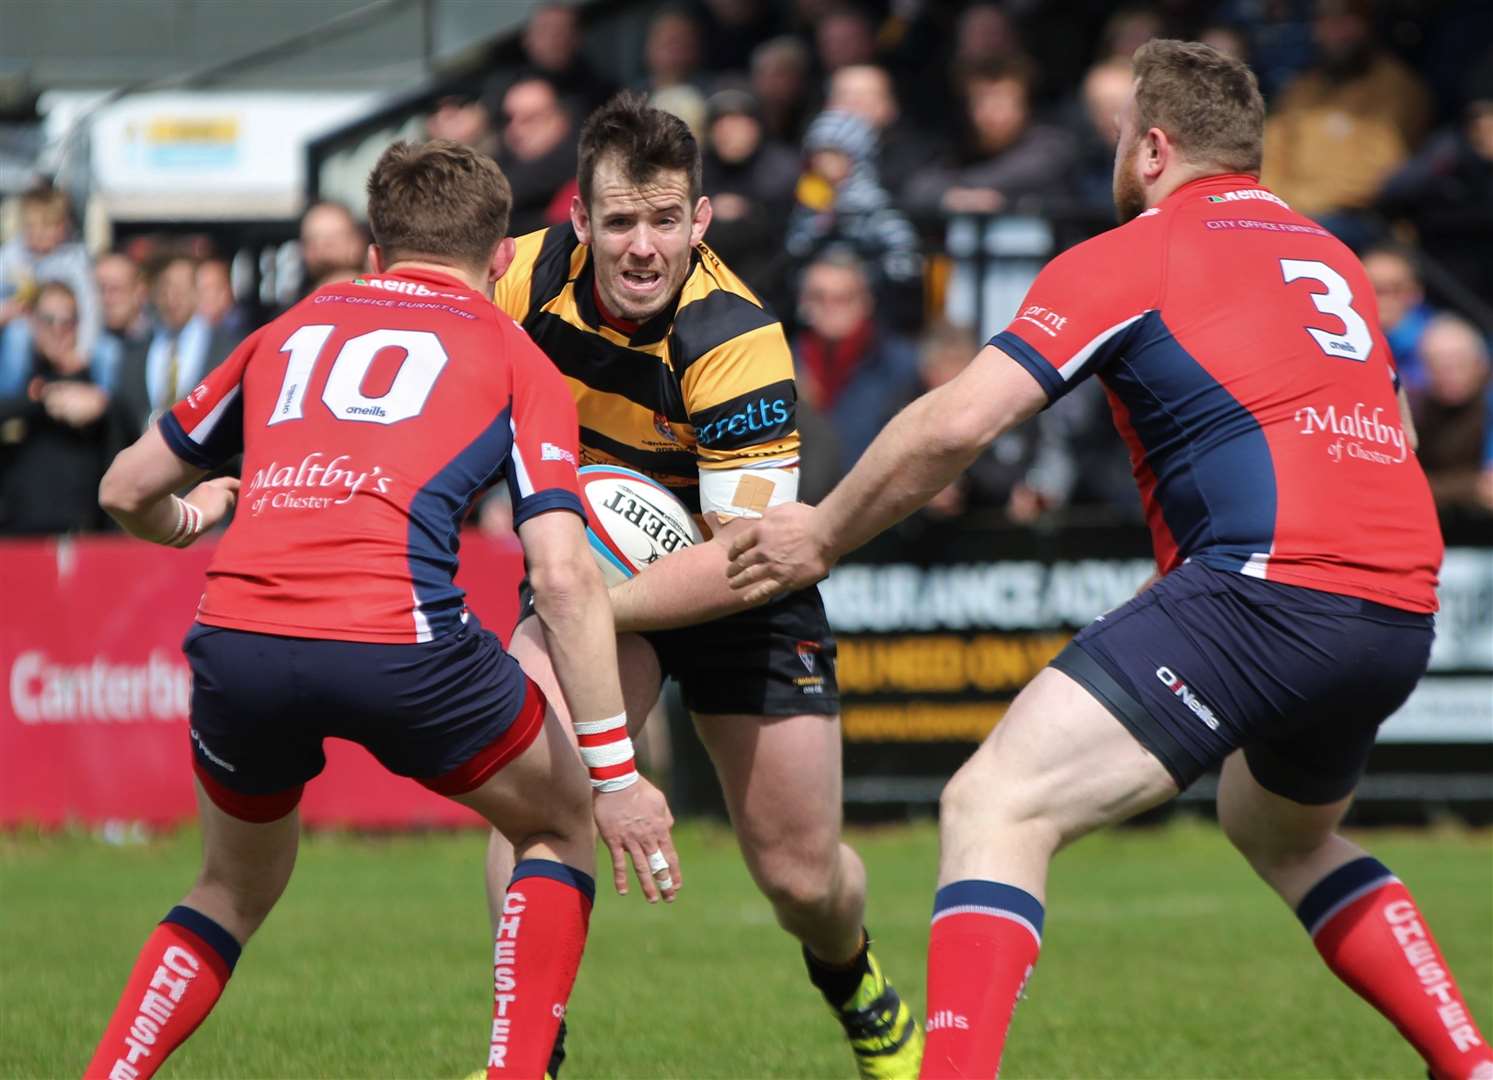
{"x":1205,"y":662}
{"x":448,"y":713}
{"x":773,"y":660}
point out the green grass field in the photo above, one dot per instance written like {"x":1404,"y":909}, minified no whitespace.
{"x":1163,"y":958}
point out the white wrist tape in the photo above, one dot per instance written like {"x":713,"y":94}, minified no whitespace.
{"x":188,"y":524}
{"x":607,"y":752}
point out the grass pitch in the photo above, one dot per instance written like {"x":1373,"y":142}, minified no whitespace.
{"x":1163,"y":958}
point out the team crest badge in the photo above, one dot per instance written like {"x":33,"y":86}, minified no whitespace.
{"x":807,"y":652}
{"x":661,"y":425}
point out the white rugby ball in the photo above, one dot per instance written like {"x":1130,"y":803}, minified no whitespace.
{"x":633,"y":521}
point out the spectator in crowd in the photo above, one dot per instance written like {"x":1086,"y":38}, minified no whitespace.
{"x":844,"y":35}
{"x":733,"y":28}
{"x":184,"y":348}
{"x":867,"y":91}
{"x":1403,"y":311}
{"x":780,"y":81}
{"x":1227,"y":39}
{"x":985,"y":35}
{"x":852,"y":370}
{"x":552,"y":47}
{"x":1453,"y":412}
{"x":122,"y":299}
{"x":1105,"y":89}
{"x":41,"y":251}
{"x":673,"y":52}
{"x":840,"y":203}
{"x":1008,"y":159}
{"x":1343,"y":126}
{"x":750,"y":181}
{"x":463,"y":118}
{"x":55,"y":436}
{"x":685,"y":102}
{"x":1446,"y":190}
{"x":1128,"y":29}
{"x":333,"y":245}
{"x":944,"y":351}
{"x":216,"y":302}
{"x":537,"y":154}
{"x":1079,"y":461}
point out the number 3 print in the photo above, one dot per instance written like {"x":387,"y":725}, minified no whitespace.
{"x":1357,"y":342}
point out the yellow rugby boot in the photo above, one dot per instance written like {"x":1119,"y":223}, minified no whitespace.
{"x":883,"y":1034}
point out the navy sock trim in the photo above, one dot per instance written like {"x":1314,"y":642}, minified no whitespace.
{"x":579,"y":880}
{"x":1339,"y":889}
{"x":212,"y":935}
{"x":990,"y":898}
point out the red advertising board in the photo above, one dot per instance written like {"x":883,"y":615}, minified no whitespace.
{"x":93,"y":725}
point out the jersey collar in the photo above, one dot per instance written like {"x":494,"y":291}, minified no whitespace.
{"x":1211,"y":185}
{"x":588,"y":303}
{"x":428,"y":277}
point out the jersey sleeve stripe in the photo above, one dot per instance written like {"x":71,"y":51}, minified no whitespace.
{"x":1033,"y":361}
{"x":708,"y":323}
{"x":181,"y":443}
{"x":541,"y":502}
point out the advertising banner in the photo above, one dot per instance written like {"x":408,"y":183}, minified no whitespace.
{"x":93,"y":724}
{"x":933,"y":650}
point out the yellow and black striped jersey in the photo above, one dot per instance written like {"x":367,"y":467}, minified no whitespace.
{"x":707,"y":384}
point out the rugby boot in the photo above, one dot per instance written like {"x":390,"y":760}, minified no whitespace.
{"x":883,"y":1034}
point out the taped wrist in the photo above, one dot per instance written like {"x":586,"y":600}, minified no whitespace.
{"x":188,"y":524}
{"x":607,"y":752}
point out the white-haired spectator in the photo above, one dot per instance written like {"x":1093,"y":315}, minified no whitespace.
{"x":1453,"y":412}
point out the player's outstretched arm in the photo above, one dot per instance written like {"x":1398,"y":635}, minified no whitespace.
{"x":137,"y":492}
{"x":686,"y":588}
{"x":631,"y":814}
{"x":916,"y":456}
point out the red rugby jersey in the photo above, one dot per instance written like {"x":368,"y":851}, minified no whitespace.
{"x":369,"y":415}
{"x":1240,"y":347}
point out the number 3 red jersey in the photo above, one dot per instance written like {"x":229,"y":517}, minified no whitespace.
{"x":1239,"y":344}
{"x":369,"y":415}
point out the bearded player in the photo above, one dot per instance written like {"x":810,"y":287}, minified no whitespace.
{"x":678,"y":372}
{"x":368,"y":416}
{"x":1296,"y":540}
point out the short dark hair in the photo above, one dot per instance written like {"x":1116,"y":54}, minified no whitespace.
{"x":1015,"y":68}
{"x":439,"y":199}
{"x":164,"y":260}
{"x":1209,"y":104}
{"x":644,"y":140}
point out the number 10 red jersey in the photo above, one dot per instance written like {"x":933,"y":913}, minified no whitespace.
{"x":369,"y":415}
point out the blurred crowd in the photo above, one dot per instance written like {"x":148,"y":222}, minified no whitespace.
{"x":839,"y":139}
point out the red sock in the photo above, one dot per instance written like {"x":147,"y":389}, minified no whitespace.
{"x":175,"y":983}
{"x":1369,"y":931}
{"x":983,"y":945}
{"x":540,"y":938}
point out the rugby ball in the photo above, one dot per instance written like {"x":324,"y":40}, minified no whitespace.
{"x":632,"y":521}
